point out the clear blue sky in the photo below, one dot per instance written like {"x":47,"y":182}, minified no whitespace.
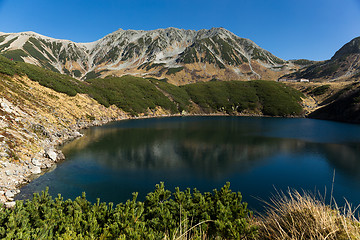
{"x":290,"y":29}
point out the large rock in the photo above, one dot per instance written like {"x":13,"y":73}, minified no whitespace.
{"x":51,"y":153}
{"x":5,"y":164}
{"x":3,"y":124}
{"x":36,"y":162}
{"x":60,"y":156}
{"x":35,"y":170}
{"x":9,"y":195}
{"x":6,"y":107}
{"x":10,"y":204}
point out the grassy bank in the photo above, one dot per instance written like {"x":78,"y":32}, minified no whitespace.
{"x":304,"y":216}
{"x":177,"y":215}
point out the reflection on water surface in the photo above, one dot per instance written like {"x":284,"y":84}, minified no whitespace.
{"x":254,"y":154}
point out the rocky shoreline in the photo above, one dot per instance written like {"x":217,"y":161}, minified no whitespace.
{"x":34,"y":121}
{"x":14,"y":173}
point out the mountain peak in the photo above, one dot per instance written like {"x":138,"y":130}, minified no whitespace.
{"x":179,"y":55}
{"x":352,"y":47}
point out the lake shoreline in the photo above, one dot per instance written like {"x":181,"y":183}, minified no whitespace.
{"x":253,"y":153}
{"x":50,"y":154}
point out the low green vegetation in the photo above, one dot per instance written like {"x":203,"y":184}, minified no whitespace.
{"x":16,"y":55}
{"x":7,"y":66}
{"x":277,"y":99}
{"x":138,"y":95}
{"x":320,"y":90}
{"x":163,"y":215}
{"x":223,"y":96}
{"x":267,"y":97}
{"x":188,"y":214}
{"x":177,"y":94}
{"x":132,"y":94}
{"x":303,"y":62}
{"x":174,"y":70}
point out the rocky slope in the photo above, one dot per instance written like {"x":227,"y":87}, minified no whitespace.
{"x":34,"y":120}
{"x":344,"y":65}
{"x":181,"y":56}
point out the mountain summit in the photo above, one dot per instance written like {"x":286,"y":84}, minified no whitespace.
{"x":181,"y":56}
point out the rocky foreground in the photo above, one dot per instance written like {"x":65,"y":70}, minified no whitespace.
{"x":34,"y":120}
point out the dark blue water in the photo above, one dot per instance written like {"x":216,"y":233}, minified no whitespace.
{"x":258,"y":156}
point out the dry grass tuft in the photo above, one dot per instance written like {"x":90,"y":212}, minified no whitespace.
{"x":303,"y":216}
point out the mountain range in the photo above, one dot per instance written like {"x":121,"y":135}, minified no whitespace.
{"x":344,"y":65}
{"x":180,"y":56}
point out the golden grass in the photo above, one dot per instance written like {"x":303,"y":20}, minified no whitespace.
{"x":304,"y":216}
{"x":184,"y":232}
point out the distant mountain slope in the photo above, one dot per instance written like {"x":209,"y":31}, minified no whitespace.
{"x":344,"y":65}
{"x":182,"y":56}
{"x":343,"y":106}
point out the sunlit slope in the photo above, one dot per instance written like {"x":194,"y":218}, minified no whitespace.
{"x":143,"y":95}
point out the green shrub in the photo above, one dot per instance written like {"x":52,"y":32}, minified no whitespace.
{"x":174,"y":70}
{"x":177,"y":94}
{"x":270,"y":98}
{"x":7,"y":66}
{"x":320,"y":90}
{"x":136,"y":95}
{"x":15,"y":55}
{"x":58,"y":82}
{"x":220,"y":214}
{"x":132,"y":94}
{"x":277,"y":99}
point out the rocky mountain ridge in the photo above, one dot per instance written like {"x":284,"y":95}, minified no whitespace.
{"x":343,"y":66}
{"x":181,"y":56}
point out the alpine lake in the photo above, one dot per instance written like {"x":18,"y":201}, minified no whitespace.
{"x":259,"y":156}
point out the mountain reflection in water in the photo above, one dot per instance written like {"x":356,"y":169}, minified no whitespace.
{"x":207,"y":152}
{"x":254,"y":154}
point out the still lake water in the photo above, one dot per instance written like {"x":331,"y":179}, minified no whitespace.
{"x":256,"y":155}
